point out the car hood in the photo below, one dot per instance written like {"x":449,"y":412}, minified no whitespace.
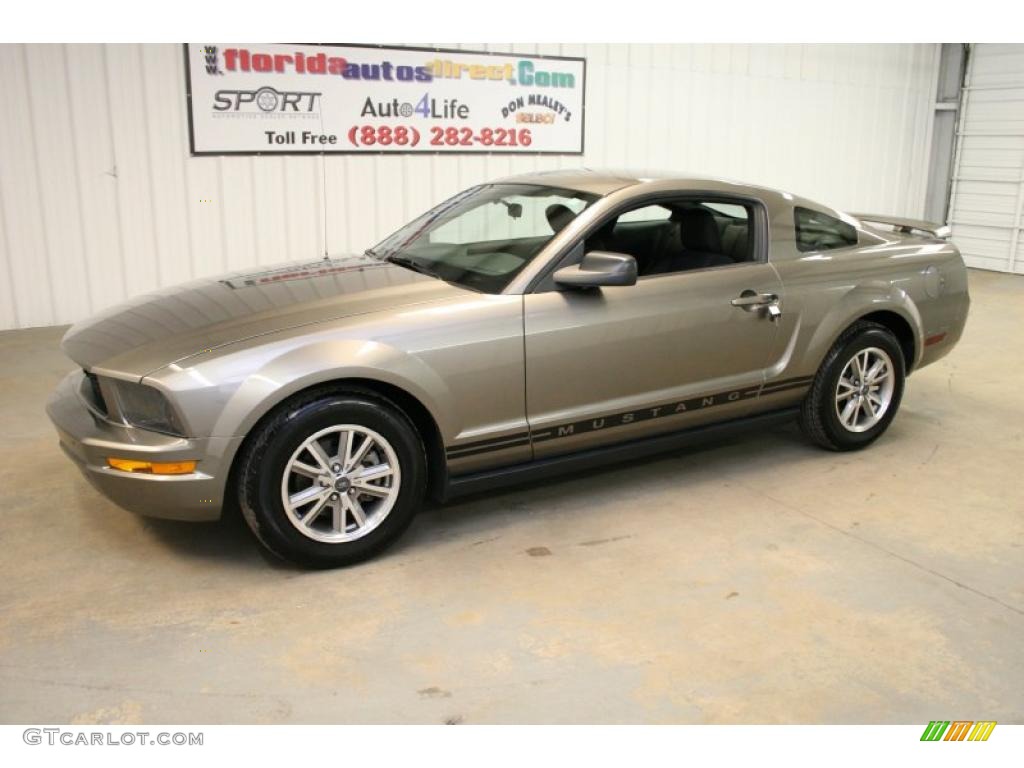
{"x":169,"y":325}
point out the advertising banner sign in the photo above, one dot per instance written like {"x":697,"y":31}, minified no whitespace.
{"x":295,"y":99}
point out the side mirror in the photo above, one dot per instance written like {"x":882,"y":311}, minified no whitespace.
{"x":599,"y":268}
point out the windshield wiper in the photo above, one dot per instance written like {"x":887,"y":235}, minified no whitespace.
{"x":408,"y":263}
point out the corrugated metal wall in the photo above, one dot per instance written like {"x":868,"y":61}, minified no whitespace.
{"x":987,"y":201}
{"x":100,"y":200}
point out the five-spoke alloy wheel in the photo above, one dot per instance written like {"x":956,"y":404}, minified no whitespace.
{"x":865,"y":389}
{"x":341,"y":483}
{"x":330,"y":478}
{"x":857,"y":390}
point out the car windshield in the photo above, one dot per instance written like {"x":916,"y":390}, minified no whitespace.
{"x":483,"y":237}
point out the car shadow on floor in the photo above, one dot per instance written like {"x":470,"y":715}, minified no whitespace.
{"x":229,"y":541}
{"x":225,"y":541}
{"x":481,"y":516}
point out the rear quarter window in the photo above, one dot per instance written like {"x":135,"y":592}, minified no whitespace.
{"x":817,"y":231}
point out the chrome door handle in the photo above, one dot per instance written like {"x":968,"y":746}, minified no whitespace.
{"x":751,"y":300}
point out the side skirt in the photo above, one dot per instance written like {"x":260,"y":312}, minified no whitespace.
{"x":543,"y":469}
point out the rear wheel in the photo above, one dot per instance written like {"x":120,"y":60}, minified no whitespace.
{"x":332,"y":478}
{"x":857,"y":390}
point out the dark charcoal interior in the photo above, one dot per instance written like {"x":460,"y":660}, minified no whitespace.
{"x":693,"y":236}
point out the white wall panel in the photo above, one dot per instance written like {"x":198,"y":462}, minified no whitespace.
{"x":27,"y":250}
{"x":99,"y":198}
{"x":987,"y":199}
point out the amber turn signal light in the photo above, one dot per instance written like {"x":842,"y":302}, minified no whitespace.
{"x":153,"y":467}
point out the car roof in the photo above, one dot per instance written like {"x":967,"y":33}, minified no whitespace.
{"x":599,"y":181}
{"x":593,"y":180}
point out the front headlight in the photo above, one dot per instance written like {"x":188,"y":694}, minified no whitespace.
{"x":146,"y":408}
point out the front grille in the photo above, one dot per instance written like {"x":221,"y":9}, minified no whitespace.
{"x":91,"y":392}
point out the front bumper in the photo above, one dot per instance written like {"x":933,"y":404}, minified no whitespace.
{"x":89,"y":440}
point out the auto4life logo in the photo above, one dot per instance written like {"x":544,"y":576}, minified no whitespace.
{"x":958,"y":730}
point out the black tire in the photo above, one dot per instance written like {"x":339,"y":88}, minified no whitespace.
{"x":271,"y":446}
{"x":818,"y":415}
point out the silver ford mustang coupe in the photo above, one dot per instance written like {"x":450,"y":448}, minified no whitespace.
{"x":532,"y":325}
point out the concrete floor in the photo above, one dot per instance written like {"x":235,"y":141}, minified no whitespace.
{"x":755,"y":581}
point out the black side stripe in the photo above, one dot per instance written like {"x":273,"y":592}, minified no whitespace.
{"x":483,"y":446}
{"x":780,"y":386}
{"x":625,"y":418}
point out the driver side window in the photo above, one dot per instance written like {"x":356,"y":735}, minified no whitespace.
{"x":680,"y":235}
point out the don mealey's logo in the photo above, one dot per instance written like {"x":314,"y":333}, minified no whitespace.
{"x":266,"y":100}
{"x":558,"y":109}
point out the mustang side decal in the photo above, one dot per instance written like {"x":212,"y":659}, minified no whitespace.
{"x":624,"y":418}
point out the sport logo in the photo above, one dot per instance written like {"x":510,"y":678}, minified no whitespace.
{"x":266,"y":100}
{"x":958,"y":730}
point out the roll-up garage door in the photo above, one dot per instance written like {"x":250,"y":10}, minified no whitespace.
{"x":988,"y":182}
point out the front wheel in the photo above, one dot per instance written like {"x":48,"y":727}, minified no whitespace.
{"x":332,"y":478}
{"x":857,"y":390}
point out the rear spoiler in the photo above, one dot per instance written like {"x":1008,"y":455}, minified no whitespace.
{"x":907,"y":226}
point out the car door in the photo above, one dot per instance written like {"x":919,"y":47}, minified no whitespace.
{"x":673,"y":351}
